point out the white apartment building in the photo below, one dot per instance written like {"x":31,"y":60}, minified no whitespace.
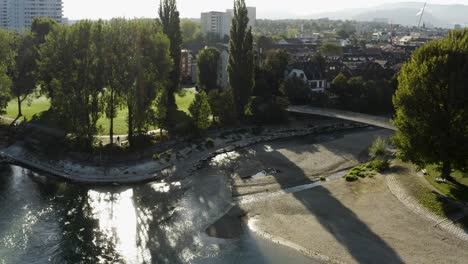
{"x":19,"y":14}
{"x":219,"y":23}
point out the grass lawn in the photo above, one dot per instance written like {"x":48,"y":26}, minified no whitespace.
{"x":29,"y":108}
{"x":38,"y":105}
{"x":416,"y":187}
{"x":457,"y":190}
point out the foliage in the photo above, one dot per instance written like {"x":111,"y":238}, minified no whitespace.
{"x":262,"y":110}
{"x":129,"y":58}
{"x":331,"y":49}
{"x":7,"y":55}
{"x":207,"y":63}
{"x":361,"y":95}
{"x":297,"y":91}
{"x":456,"y":189}
{"x":210,"y":143}
{"x":170,"y":21}
{"x":273,"y":73}
{"x":23,"y":74}
{"x":367,"y":170}
{"x":241,"y":57}
{"x":432,"y":104}
{"x":222,"y":106}
{"x":201,"y":111}
{"x":378,"y":149}
{"x":191,"y":31}
{"x":379,"y":164}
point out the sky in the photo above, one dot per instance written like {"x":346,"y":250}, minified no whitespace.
{"x":105,"y":9}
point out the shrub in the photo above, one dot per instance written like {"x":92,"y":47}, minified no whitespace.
{"x":350,"y":178}
{"x":322,"y":178}
{"x":210,"y":143}
{"x":263,"y":110}
{"x":378,"y":149}
{"x":379,"y":165}
{"x":156,"y":156}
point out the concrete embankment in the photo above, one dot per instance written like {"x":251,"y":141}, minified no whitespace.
{"x":183,"y":161}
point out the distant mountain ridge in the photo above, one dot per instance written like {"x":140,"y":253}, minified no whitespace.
{"x":404,"y":13}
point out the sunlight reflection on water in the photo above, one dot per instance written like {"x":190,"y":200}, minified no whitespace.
{"x":117,"y":221}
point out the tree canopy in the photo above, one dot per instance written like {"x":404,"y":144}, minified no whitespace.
{"x":7,"y":55}
{"x":432,"y":104}
{"x":241,"y":57}
{"x":207,"y":63}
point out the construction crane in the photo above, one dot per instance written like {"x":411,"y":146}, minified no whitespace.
{"x":421,"y":14}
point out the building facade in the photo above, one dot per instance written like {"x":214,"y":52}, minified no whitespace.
{"x":18,"y":14}
{"x":219,"y":23}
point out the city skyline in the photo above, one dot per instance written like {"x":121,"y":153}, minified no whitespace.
{"x":106,"y":9}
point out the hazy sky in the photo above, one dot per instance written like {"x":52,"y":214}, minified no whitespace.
{"x":93,"y":9}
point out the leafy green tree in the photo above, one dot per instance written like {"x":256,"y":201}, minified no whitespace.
{"x":264,"y":43}
{"x":169,"y":18}
{"x":7,"y":55}
{"x":241,"y":57}
{"x":201,"y":111}
{"x":23,"y":74}
{"x":222,"y":106}
{"x":331,"y":49}
{"x":71,"y":58}
{"x":264,"y":111}
{"x":297,"y":91}
{"x":151,"y":70}
{"x":276,"y":65}
{"x":207,"y":63}
{"x":118,"y":58}
{"x":191,"y":31}
{"x":40,"y":28}
{"x":432,"y":105}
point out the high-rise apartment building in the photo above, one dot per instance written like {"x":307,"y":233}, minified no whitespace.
{"x":219,"y":23}
{"x":18,"y":14}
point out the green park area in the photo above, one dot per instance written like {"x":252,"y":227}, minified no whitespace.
{"x":456,"y":189}
{"x":35,"y":106}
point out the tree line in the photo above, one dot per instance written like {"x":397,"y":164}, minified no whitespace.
{"x":94,"y":68}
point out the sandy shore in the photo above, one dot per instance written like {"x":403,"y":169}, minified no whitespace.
{"x":336,"y":222}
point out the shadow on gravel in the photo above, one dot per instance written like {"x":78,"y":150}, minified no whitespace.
{"x":361,"y":242}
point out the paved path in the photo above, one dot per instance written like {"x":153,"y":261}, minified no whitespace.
{"x":346,"y":115}
{"x":411,"y":203}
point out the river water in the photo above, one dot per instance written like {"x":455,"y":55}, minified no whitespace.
{"x":44,"y":220}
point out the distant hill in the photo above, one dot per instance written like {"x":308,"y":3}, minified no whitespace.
{"x":405,"y":13}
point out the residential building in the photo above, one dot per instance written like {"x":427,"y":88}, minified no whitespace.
{"x":19,"y":14}
{"x":219,"y":23}
{"x":216,"y":23}
{"x":186,"y":66}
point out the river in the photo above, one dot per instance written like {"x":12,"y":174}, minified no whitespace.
{"x":45,"y":220}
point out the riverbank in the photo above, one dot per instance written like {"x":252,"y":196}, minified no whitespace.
{"x":181,"y":160}
{"x":332,"y":221}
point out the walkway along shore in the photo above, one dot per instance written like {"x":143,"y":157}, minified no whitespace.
{"x":190,"y":157}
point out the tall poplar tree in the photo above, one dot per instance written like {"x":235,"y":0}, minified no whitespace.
{"x":169,"y":17}
{"x":241,"y":57}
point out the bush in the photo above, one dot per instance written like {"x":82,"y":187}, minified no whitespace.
{"x":350,"y":178}
{"x":379,"y":165}
{"x":378,"y":149}
{"x":157,"y":156}
{"x":262,"y":110}
{"x":297,"y":91}
{"x":210,"y":143}
{"x":322,"y":178}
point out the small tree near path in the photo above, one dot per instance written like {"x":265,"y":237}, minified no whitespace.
{"x":431,"y":105}
{"x":201,"y":111}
